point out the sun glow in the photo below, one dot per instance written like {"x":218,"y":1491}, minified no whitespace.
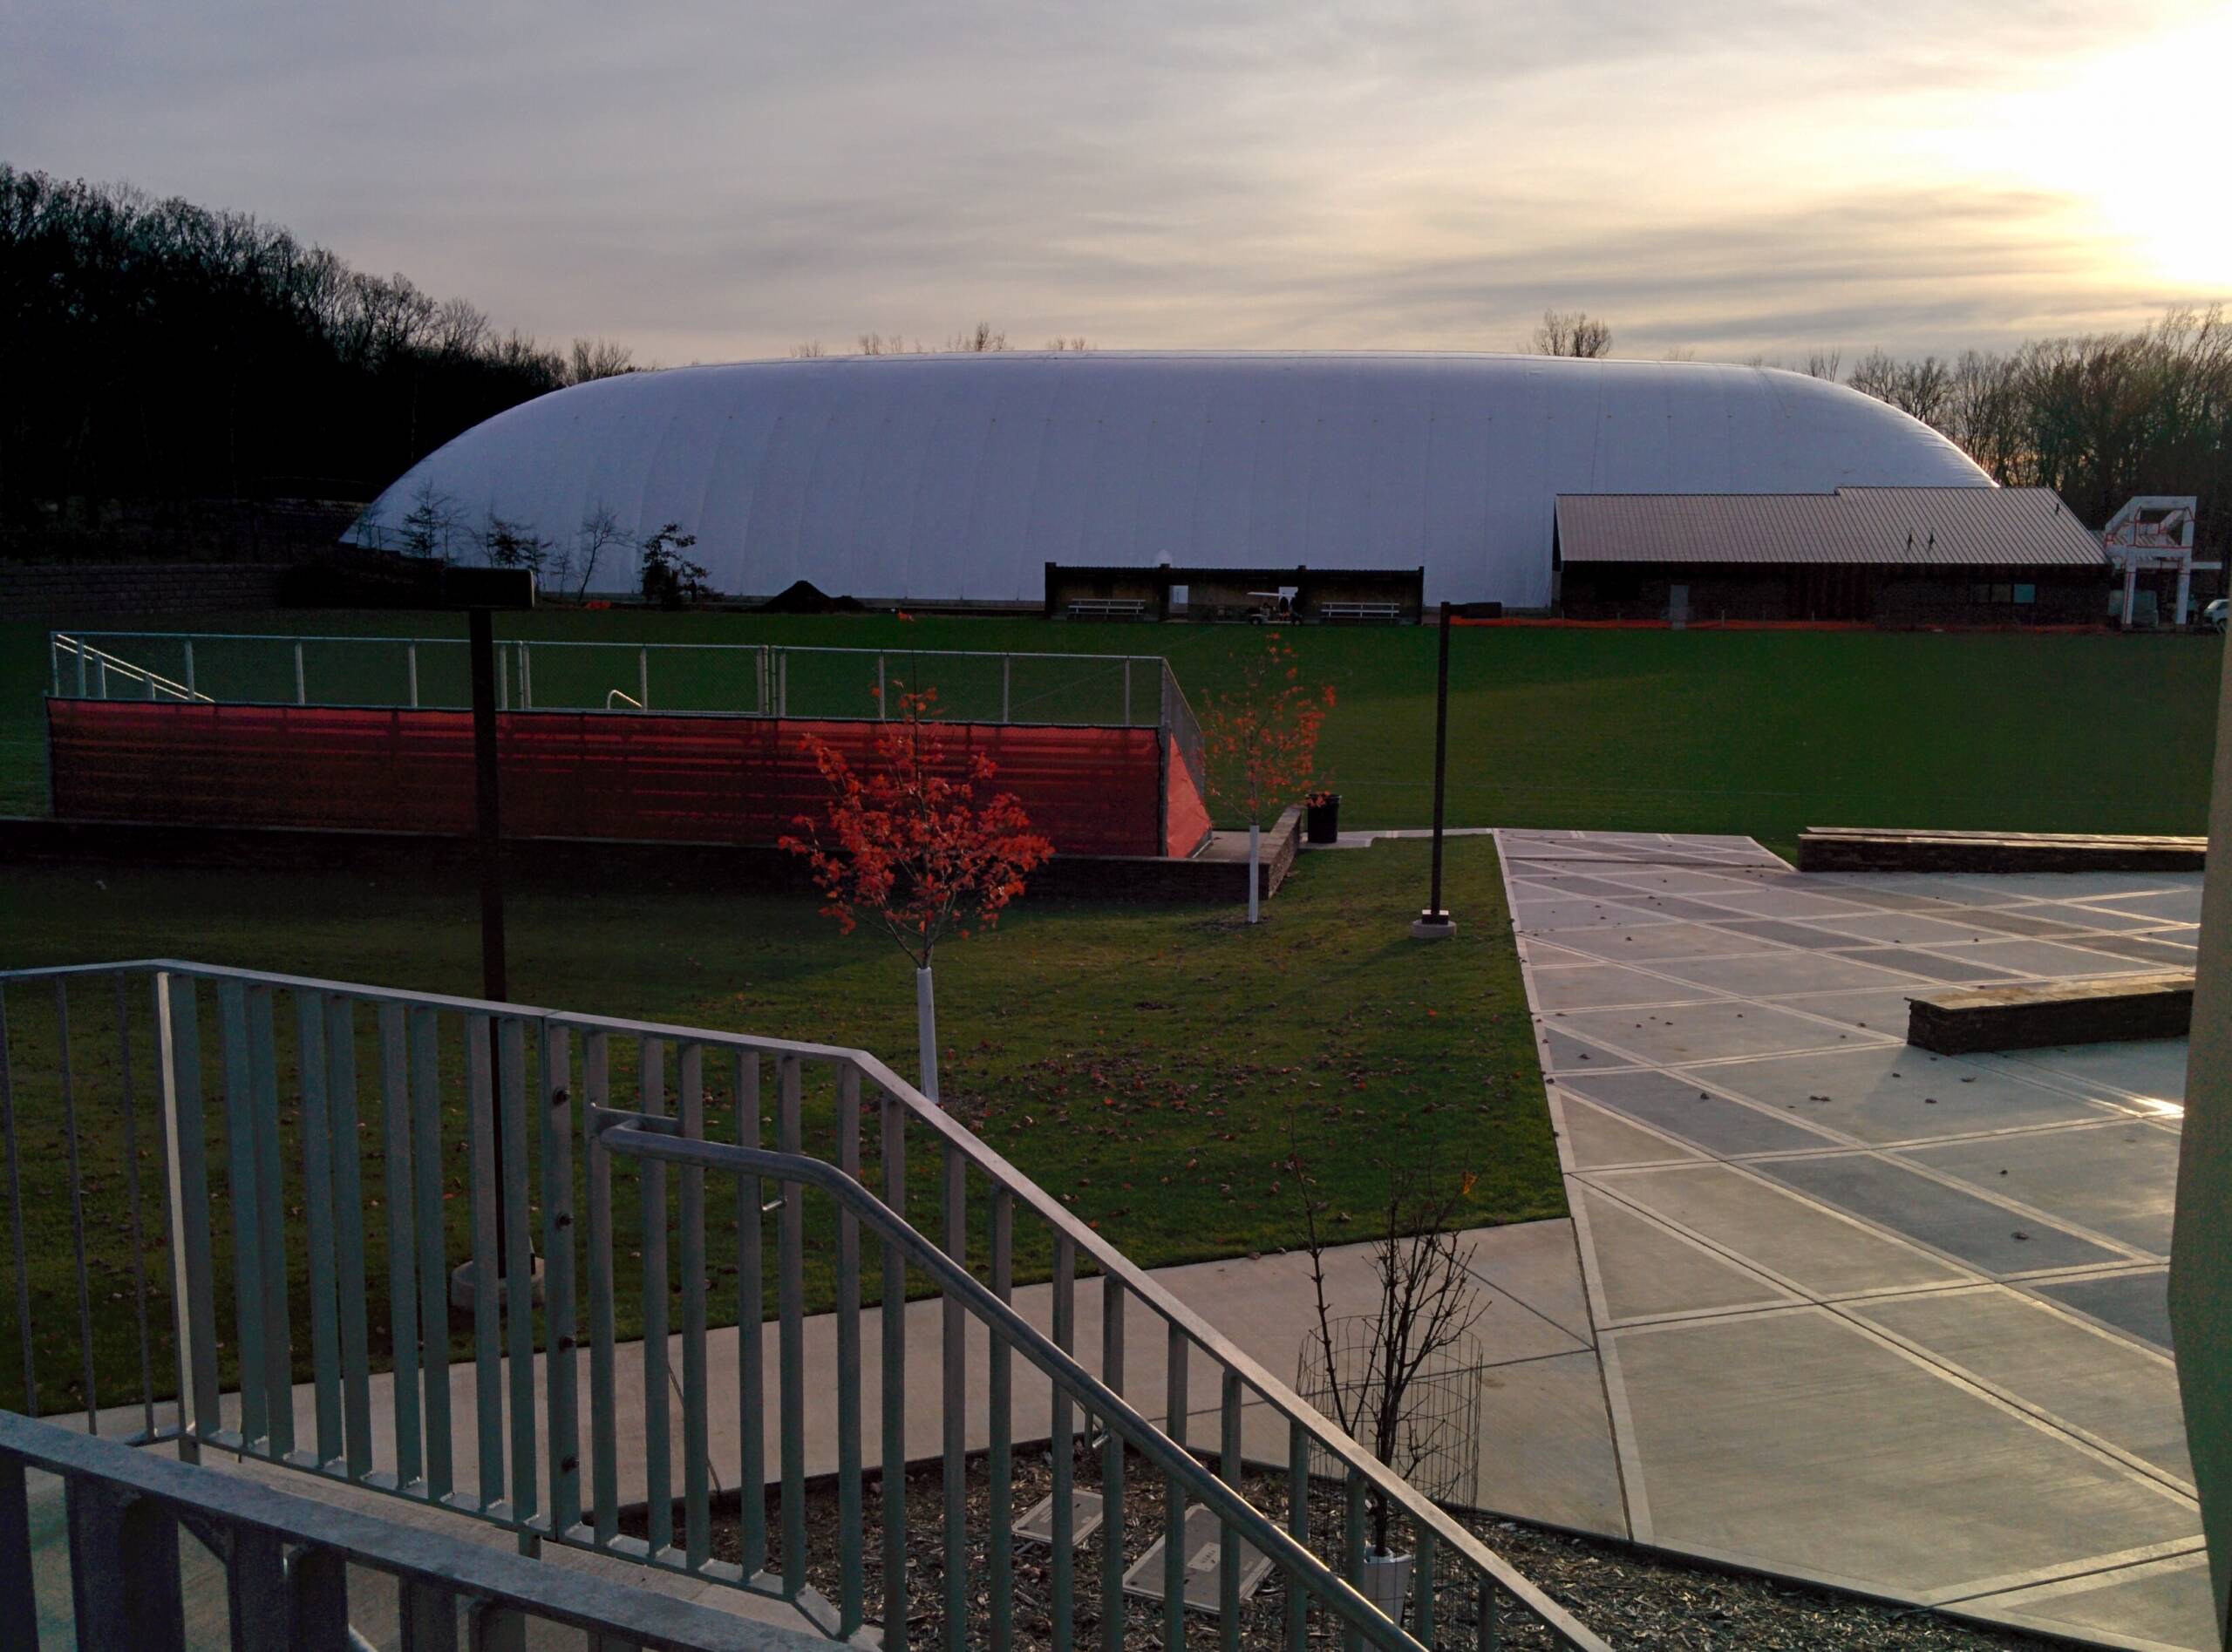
{"x":2137,"y":138}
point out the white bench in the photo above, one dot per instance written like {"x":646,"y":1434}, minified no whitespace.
{"x":1108,"y":607}
{"x":1388,"y":611}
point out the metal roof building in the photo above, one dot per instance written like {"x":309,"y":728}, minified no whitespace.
{"x":961,"y":478}
{"x":1887,"y":527}
{"x":1996,"y":556}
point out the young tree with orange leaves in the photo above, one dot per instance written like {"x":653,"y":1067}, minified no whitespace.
{"x":1262,"y":742}
{"x":909,"y":846}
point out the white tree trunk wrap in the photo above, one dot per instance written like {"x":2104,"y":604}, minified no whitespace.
{"x":926,"y":1025}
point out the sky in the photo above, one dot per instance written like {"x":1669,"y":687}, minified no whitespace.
{"x":1726,"y":179}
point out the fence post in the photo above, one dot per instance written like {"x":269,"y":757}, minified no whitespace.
{"x":782,"y":683}
{"x":54,"y":661}
{"x":302,"y":689}
{"x":527,"y":676}
{"x":412,"y":656}
{"x":644,"y":678}
{"x":190,"y":689}
{"x":1007,"y":686}
{"x":1127,"y":691}
{"x":879,"y":711}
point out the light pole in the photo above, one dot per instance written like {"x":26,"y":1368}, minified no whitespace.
{"x":1435,"y":923}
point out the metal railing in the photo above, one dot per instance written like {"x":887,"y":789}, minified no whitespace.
{"x":288,"y":1562}
{"x":479,"y":1128}
{"x":96,"y":673}
{"x":750,"y":679}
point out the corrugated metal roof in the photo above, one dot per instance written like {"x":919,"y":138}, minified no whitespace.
{"x":1919,"y":526}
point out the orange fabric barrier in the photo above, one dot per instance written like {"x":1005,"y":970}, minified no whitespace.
{"x":565,"y":774}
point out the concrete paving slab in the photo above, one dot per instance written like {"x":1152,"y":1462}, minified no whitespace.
{"x":2089,"y":917}
{"x":1594,"y":986}
{"x":2152,"y":948}
{"x":1780,"y":975}
{"x":2114,"y":1390}
{"x":1682,"y":1106}
{"x":1913,"y":929}
{"x":1562,"y":1053}
{"x":2158,"y":1604}
{"x":1778,"y":900}
{"x":1646,"y":1270}
{"x":1701,"y":1031}
{"x":2138,"y":1304}
{"x":1886,"y":1094}
{"x":1883,"y":1012}
{"x":1785,"y":933}
{"x":2180,"y":905}
{"x":2149,"y":1068}
{"x":1595,"y":1140}
{"x":1784,"y":1236}
{"x":1537,"y":1265}
{"x":1651,"y":941}
{"x":1682,"y":881}
{"x":1547,"y":917}
{"x":1546,"y":1446}
{"x":1765,"y":1435}
{"x":2053,"y":961}
{"x":2117,"y":1179}
{"x":1987,"y":1236}
{"x":1966,"y":966}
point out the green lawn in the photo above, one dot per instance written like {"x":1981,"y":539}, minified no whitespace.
{"x":1153,"y":1067}
{"x":1761,"y":732}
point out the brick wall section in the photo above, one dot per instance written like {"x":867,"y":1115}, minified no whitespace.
{"x":66,"y":593}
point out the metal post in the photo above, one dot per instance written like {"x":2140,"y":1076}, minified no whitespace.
{"x":302,"y":690}
{"x":880,"y":710}
{"x":527,"y":676}
{"x":81,"y":667}
{"x":412,"y":656}
{"x":1007,"y":686}
{"x":190,"y":689}
{"x":488,"y":828}
{"x":1434,"y":923}
{"x":643,"y":678}
{"x":782,"y":683}
{"x":1127,"y":693}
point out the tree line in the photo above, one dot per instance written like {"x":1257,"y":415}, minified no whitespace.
{"x":154,"y":350}
{"x":2097,"y":418}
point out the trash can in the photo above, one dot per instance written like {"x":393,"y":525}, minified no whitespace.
{"x":1324,"y":818}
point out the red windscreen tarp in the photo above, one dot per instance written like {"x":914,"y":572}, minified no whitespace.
{"x":565,"y":774}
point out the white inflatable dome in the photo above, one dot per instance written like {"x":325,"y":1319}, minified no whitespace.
{"x":957,"y":478}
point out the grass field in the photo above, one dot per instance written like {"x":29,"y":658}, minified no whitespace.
{"x":1757,"y":732}
{"x":1153,"y":1067}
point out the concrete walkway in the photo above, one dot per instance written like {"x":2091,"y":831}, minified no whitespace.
{"x":1546,"y":1443}
{"x":1869,"y":1317}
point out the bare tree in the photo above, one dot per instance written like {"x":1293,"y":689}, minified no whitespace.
{"x":1824,"y":363}
{"x":877,"y":345}
{"x":1076,"y":343}
{"x":980,"y":340}
{"x":810,"y":350}
{"x":599,"y":532}
{"x":1427,"y":1304}
{"x":598,"y":358}
{"x":1572,"y":332}
{"x":1922,"y":388}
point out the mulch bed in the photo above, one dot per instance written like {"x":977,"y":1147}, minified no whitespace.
{"x":1628,"y":1597}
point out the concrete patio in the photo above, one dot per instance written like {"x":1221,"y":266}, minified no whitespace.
{"x":1866,"y":1315}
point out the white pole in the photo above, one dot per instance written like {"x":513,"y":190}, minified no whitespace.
{"x":2131,"y":589}
{"x":412,"y":656}
{"x":302,"y":690}
{"x":880,"y":710}
{"x":1255,"y":852}
{"x":644,"y":678}
{"x":926,"y":1023}
{"x":189,"y":667}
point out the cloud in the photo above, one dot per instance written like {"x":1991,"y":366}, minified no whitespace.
{"x":708,"y":181}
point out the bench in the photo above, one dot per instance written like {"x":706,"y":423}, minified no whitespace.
{"x":1108,"y":607}
{"x":1959,"y":1021}
{"x":1884,"y":849}
{"x":1389,"y":612}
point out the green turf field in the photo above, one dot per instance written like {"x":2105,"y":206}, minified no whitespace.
{"x":1757,"y":732}
{"x":1153,"y":1067}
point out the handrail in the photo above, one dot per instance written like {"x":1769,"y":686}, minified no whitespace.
{"x":954,"y":1280}
{"x":623,"y":695}
{"x":75,"y":644}
{"x":1359,"y":1465}
{"x":622,"y":642}
{"x":602,"y":1606}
